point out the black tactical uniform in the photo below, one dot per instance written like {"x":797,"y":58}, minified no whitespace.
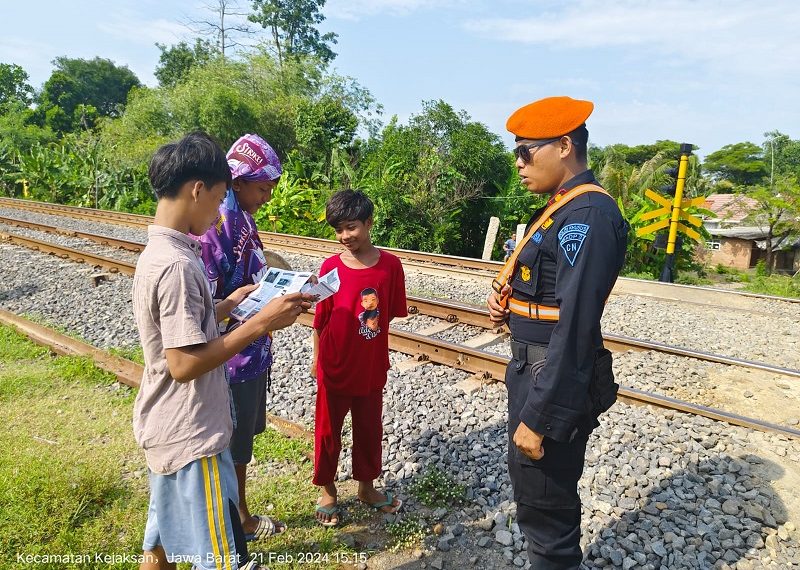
{"x":572,"y":264}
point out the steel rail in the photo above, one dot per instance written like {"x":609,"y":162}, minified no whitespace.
{"x":450,"y":311}
{"x":105,"y":216}
{"x":126,"y":371}
{"x":476,"y":316}
{"x":112,"y":265}
{"x":130,"y":373}
{"x":98,"y":238}
{"x":707,"y":296}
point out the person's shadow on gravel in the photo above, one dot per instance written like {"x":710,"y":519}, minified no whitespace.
{"x":720,"y":513}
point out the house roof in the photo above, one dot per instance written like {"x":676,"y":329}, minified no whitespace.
{"x":742,"y":232}
{"x":730,"y":208}
{"x":757,"y":235}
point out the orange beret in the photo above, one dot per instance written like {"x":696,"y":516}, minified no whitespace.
{"x":549,"y":118}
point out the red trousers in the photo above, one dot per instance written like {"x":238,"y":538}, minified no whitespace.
{"x":366,"y":412}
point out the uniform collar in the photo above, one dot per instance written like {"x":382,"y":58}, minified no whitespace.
{"x":585,"y":177}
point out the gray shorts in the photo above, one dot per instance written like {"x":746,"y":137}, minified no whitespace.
{"x":189,"y":513}
{"x":250,"y":405}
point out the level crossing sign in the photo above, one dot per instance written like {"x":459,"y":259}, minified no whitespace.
{"x":666,"y":209}
{"x":674,"y":209}
{"x":675,"y":212}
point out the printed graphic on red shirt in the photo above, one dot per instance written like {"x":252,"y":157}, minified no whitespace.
{"x":368,"y":318}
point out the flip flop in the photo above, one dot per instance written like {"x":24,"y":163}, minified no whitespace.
{"x":266,"y":527}
{"x":388,"y":502}
{"x":331,"y":512}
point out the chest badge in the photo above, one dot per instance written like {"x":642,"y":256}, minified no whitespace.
{"x":571,"y":239}
{"x":525,"y":273}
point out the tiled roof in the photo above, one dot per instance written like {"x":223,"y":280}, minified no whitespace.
{"x":731,"y":208}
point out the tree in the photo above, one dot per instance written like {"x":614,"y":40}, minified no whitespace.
{"x":223,"y":27}
{"x":79,"y":90}
{"x":640,"y":154}
{"x":14,"y":85}
{"x":781,"y":154}
{"x":322,"y":125}
{"x":740,"y":164}
{"x":627,"y":182}
{"x":16,"y":129}
{"x":433,"y":180}
{"x":777,"y":213}
{"x":292,"y":24}
{"x":176,"y":61}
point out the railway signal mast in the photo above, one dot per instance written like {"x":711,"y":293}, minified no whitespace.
{"x":675,"y":210}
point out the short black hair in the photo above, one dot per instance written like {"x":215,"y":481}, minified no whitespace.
{"x":348,"y":205}
{"x":369,"y":291}
{"x":580,"y":140}
{"x":195,"y":157}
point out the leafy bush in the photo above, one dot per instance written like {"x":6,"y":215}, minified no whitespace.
{"x":722,"y":269}
{"x":640,"y":275}
{"x":692,"y":279}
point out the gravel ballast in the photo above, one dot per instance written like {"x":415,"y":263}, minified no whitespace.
{"x":660,"y":489}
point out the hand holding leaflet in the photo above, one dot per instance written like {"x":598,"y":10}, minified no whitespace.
{"x":324,"y":286}
{"x":276,"y":282}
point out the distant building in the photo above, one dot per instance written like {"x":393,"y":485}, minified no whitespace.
{"x":736,"y":245}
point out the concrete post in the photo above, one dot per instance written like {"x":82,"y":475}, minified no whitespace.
{"x":520,"y":232}
{"x":491,"y":236}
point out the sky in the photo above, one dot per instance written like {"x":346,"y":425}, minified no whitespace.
{"x":707,"y":72}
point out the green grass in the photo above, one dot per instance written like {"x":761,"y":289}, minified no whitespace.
{"x":132,"y":353}
{"x":778,"y":285}
{"x":67,"y":479}
{"x":74,"y":482}
{"x":272,"y":446}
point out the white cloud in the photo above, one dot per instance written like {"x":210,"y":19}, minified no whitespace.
{"x":134,"y":29}
{"x":32,"y":55}
{"x":24,"y":52}
{"x":357,"y":9}
{"x":735,"y":35}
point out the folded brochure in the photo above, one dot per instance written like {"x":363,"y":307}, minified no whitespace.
{"x":277,"y":282}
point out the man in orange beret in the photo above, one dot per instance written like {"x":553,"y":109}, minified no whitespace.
{"x":551,"y":292}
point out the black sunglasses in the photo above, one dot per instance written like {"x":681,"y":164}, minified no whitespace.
{"x":523,"y":151}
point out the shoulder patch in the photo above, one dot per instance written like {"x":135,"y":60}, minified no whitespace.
{"x":571,"y":238}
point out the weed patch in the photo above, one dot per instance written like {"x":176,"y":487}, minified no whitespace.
{"x":407,"y":533}
{"x":436,"y":489}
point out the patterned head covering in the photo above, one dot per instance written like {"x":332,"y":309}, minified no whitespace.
{"x":251,"y":158}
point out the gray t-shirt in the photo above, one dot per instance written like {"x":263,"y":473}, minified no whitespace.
{"x":176,"y":423}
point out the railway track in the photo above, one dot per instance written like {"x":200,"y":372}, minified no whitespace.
{"x":453,"y":313}
{"x":704,"y":296}
{"x":485,"y":365}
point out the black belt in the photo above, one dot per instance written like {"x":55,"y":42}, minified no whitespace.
{"x":529,"y":353}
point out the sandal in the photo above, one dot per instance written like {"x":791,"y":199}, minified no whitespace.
{"x":387,"y":502}
{"x":266,"y":527}
{"x":333,"y":513}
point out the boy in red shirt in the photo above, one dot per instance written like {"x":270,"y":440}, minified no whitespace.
{"x":351,"y":354}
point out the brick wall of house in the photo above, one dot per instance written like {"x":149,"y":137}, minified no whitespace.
{"x":733,"y":252}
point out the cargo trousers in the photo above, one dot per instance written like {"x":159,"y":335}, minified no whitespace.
{"x":546,"y":491}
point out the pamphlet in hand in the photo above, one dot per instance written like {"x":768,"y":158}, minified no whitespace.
{"x":277,"y":282}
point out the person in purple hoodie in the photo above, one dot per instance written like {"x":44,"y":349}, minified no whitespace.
{"x":233,"y":256}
